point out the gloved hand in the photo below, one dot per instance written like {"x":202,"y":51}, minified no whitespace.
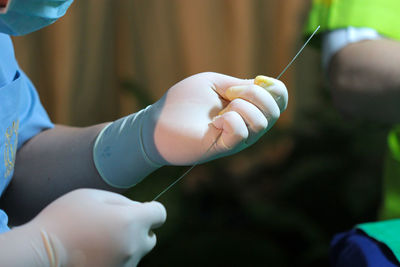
{"x":189,"y":118}
{"x":87,"y":227}
{"x":180,"y":127}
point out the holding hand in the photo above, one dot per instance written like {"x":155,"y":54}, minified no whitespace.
{"x":93,"y":228}
{"x":181,"y":127}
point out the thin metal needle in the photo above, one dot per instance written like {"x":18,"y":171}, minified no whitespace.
{"x":298,"y":53}
{"x":177,"y":180}
{"x":194,"y":165}
{"x":216,"y":140}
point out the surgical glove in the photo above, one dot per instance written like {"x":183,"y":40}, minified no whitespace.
{"x":181,"y":127}
{"x":86,"y":227}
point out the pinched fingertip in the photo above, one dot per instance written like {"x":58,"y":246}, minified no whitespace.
{"x":276,"y":88}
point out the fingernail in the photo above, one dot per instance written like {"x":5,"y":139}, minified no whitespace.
{"x":234,"y":91}
{"x":263,"y":81}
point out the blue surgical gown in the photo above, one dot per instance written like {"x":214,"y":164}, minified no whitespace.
{"x":22,"y":116}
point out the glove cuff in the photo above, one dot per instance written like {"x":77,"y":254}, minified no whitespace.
{"x":119,"y":153}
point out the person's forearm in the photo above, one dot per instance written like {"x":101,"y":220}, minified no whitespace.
{"x":49,"y":165}
{"x":365,"y":80}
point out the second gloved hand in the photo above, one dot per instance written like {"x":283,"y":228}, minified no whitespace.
{"x":88,"y":227}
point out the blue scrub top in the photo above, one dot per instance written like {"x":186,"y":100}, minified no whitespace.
{"x":22,"y":116}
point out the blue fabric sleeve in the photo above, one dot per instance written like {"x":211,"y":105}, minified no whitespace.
{"x":22,"y":116}
{"x":33,"y":117}
{"x":3,"y":222}
{"x":24,"y":100}
{"x":354,"y":248}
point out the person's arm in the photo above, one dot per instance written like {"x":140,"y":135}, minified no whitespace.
{"x":54,"y":162}
{"x":365,"y":80}
{"x":179,"y":129}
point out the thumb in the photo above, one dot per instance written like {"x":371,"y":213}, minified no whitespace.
{"x":156,"y":214}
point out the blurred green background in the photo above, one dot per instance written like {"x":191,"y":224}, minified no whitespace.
{"x":277,"y":203}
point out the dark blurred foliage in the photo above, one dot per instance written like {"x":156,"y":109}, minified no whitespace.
{"x":277,"y":203}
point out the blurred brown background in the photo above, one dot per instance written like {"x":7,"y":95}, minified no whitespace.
{"x":83,"y":63}
{"x":277,"y":203}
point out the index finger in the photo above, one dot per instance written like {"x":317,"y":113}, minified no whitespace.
{"x":222,"y":83}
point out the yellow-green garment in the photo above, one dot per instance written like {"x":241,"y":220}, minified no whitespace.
{"x":391,"y":186}
{"x":383,"y":16}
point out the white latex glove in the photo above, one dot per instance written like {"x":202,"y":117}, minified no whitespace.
{"x":180,"y":127}
{"x":86,"y":227}
{"x":187,"y":120}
